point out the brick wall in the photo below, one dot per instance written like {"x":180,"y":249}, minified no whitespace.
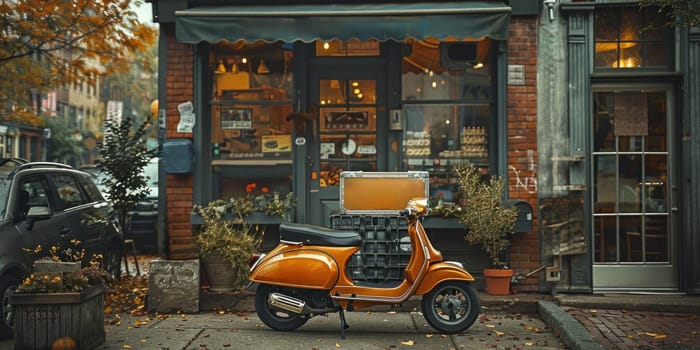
{"x":522,"y":143}
{"x":179,"y":89}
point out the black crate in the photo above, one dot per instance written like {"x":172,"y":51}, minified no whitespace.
{"x":385,"y":250}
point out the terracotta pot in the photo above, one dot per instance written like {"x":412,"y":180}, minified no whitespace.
{"x":498,"y":281}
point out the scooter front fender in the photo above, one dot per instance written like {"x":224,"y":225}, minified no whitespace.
{"x":300,"y":268}
{"x":440,"y":272}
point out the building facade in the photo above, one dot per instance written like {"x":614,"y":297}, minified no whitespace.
{"x":290,"y":96}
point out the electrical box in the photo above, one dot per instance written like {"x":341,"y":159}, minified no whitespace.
{"x":523,"y":222}
{"x":178,"y":156}
{"x":553,"y":274}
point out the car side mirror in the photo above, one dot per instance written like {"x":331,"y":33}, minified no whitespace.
{"x":37,"y":213}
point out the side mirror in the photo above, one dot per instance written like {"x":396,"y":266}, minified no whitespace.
{"x":37,"y":213}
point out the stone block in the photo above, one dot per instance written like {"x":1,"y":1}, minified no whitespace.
{"x":173,"y":285}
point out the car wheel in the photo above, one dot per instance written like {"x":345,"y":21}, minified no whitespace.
{"x":8,"y":285}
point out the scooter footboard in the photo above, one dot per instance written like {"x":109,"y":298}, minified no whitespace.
{"x":301,"y":269}
{"x":440,"y":272}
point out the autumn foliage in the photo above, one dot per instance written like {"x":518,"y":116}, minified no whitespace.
{"x":52,"y":43}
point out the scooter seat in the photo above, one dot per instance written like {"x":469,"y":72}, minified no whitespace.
{"x":318,"y":235}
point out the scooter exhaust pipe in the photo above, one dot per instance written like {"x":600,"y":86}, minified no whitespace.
{"x":286,"y":303}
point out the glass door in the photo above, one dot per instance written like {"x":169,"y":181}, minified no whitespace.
{"x":633,"y":228}
{"x":351,"y":117}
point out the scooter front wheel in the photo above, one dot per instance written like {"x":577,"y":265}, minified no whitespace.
{"x":451,"y":307}
{"x":274,"y":318}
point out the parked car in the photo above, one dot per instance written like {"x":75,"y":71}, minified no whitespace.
{"x":50,"y":204}
{"x":142,"y":222}
{"x":141,"y":225}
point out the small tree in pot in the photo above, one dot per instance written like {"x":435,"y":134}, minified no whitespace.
{"x":489,"y":223}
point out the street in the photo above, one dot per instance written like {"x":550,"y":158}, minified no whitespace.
{"x":368,"y":330}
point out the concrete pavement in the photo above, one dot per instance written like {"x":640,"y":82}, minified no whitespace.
{"x":520,"y":321}
{"x":368,"y":330}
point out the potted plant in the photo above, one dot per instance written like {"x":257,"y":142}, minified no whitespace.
{"x":489,"y":223}
{"x":226,"y":244}
{"x":58,"y":289}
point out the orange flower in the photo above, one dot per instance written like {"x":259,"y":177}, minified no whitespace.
{"x":264,"y":190}
{"x":250,"y":187}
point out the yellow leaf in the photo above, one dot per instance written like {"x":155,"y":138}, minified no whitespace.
{"x":499,"y":333}
{"x":408,"y":342}
{"x":529,"y":343}
{"x":490,"y":326}
{"x":337,"y":345}
{"x":428,"y":335}
{"x":126,"y":346}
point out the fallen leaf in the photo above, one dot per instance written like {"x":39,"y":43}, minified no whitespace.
{"x":126,"y":346}
{"x":142,"y":341}
{"x":337,"y":345}
{"x":490,"y":326}
{"x":408,"y":342}
{"x":428,"y":335}
{"x":529,"y":343}
{"x":499,"y":333}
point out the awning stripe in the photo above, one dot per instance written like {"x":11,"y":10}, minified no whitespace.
{"x":325,"y":22}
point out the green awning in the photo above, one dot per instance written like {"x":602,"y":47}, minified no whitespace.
{"x":307,"y":23}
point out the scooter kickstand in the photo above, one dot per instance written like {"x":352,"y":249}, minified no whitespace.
{"x":343,"y":324}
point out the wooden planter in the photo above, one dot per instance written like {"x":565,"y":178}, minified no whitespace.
{"x":44,"y":317}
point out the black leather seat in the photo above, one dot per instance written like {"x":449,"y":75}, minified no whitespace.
{"x":318,"y":235}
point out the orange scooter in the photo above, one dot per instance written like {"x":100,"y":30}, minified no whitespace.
{"x":305,"y":276}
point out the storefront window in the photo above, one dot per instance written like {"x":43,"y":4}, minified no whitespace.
{"x":448,"y":108}
{"x":628,"y":38}
{"x":252,"y":98}
{"x":250,"y":132}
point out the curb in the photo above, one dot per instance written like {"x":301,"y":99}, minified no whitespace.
{"x":572,"y":332}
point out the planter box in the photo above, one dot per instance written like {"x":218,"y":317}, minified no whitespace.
{"x":44,"y":317}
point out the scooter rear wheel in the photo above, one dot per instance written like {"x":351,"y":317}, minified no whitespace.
{"x":451,"y":307}
{"x":276,"y":319}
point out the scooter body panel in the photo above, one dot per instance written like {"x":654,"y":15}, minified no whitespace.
{"x":439,"y":272}
{"x":301,"y":267}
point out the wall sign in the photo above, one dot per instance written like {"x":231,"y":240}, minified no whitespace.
{"x":516,"y":74}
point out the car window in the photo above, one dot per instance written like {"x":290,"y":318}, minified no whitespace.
{"x":91,"y":188}
{"x":32,"y":192}
{"x":69,"y":191}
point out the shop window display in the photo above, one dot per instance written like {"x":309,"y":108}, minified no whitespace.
{"x":250,"y":130}
{"x":448,"y":105}
{"x":251,"y":89}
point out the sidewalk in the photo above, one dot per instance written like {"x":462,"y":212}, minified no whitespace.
{"x":629,"y":321}
{"x":518,"y":321}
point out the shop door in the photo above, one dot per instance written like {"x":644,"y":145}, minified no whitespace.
{"x":347,"y":133}
{"x":634,"y":195}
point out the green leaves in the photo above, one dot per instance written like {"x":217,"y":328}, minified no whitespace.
{"x":489,"y":223}
{"x":124,"y":154}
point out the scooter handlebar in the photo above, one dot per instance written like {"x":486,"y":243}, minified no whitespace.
{"x":406,"y":212}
